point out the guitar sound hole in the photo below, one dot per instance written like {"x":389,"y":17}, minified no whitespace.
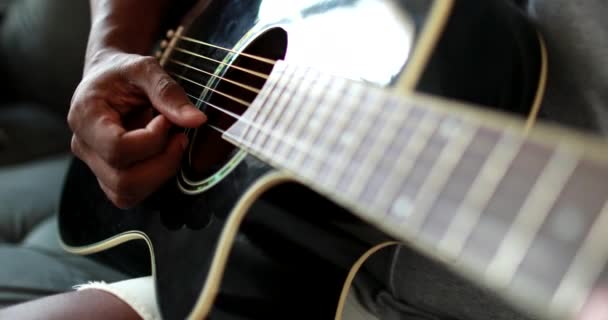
{"x":210,"y":155}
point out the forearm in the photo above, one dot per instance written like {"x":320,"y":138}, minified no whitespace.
{"x":85,"y":304}
{"x":126,"y":25}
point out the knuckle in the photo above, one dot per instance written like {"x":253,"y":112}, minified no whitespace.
{"x":121,"y":185}
{"x":74,"y":110}
{"x":146,"y":64}
{"x":71,"y":119}
{"x":112,"y":156}
{"x":74,"y":145}
{"x":123,"y":202}
{"x":164,"y":86}
{"x":76,"y":148}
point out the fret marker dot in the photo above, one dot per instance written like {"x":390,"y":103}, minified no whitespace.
{"x":402,"y":207}
{"x":449,"y":128}
{"x":347,"y":138}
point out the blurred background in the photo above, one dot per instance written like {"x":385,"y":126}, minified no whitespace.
{"x":42,"y":47}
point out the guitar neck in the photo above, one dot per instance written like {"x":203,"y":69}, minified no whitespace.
{"x":525,"y":215}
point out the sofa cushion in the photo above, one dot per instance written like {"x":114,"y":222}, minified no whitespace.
{"x":42,"y":45}
{"x":29,"y":131}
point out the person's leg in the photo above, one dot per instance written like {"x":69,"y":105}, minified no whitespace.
{"x":29,"y":194}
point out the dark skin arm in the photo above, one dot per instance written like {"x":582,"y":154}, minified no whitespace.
{"x":76,"y":305}
{"x":116,"y":132}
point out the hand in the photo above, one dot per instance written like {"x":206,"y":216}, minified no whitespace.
{"x":130,"y":150}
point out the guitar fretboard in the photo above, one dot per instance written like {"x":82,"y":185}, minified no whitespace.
{"x":525,"y":215}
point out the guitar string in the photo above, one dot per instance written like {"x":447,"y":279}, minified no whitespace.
{"x":223,"y":110}
{"x":242,"y":119}
{"x":252,"y":56}
{"x":242,"y":85}
{"x":252,"y":72}
{"x":231,"y":97}
{"x":211,"y":75}
{"x":235,"y":116}
{"x":226,"y":111}
{"x":262,"y":129}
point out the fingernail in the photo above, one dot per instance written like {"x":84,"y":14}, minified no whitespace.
{"x":192,"y":112}
{"x":189,"y":110}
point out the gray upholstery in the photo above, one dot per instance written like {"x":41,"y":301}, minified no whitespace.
{"x":30,"y":131}
{"x":29,"y":194}
{"x":42,"y":45}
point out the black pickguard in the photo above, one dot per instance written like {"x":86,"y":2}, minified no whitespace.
{"x":293,"y":243}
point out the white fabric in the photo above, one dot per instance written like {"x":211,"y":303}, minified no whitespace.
{"x":138,"y":293}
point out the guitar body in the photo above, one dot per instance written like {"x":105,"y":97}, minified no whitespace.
{"x":230,"y":228}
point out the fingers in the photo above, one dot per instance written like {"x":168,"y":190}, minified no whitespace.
{"x":139,"y":144}
{"x":128,"y":186}
{"x":166,"y":95}
{"x":130,"y":150}
{"x":117,"y":146}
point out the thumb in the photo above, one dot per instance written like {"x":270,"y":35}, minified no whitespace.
{"x":165,"y":94}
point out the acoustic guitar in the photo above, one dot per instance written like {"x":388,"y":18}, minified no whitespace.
{"x":338,"y":128}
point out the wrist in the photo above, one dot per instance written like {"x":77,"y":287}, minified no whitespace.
{"x":100,"y":55}
{"x":125,"y":26}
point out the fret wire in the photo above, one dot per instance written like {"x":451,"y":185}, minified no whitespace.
{"x":357,"y":137}
{"x":566,"y":287}
{"x":274,"y":98}
{"x":309,"y":110}
{"x":442,"y":170}
{"x":310,"y":150}
{"x":317,"y":147}
{"x":277,"y":108}
{"x":404,"y":163}
{"x":585,"y":268}
{"x":370,"y":162}
{"x":332,"y":179}
{"x":294,"y":141}
{"x":530,"y":218}
{"x":290,"y":113}
{"x":478,"y":196}
{"x":261,"y":100}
